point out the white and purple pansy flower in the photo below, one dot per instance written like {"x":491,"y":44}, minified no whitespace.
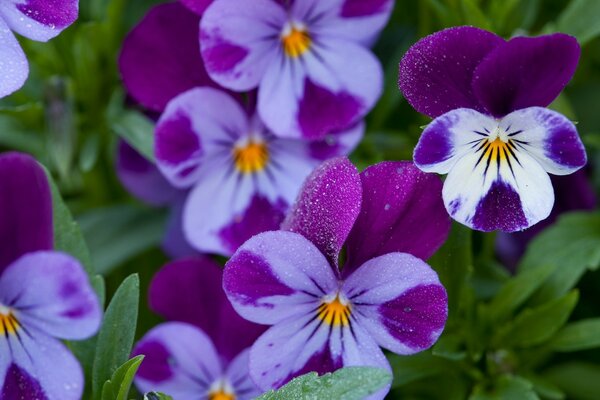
{"x":39,"y":20}
{"x":297,"y":53}
{"x":389,"y":218}
{"x":492,"y":134}
{"x":202,"y":353}
{"x":242,"y":177}
{"x":45,"y":295}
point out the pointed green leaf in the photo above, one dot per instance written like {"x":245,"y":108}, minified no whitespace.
{"x":580,"y":335}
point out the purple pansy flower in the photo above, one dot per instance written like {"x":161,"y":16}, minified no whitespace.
{"x":203,"y":355}
{"x":491,"y":133}
{"x":243,"y":178}
{"x":39,"y":20}
{"x":297,"y":53}
{"x":389,"y":218}
{"x":45,"y":295}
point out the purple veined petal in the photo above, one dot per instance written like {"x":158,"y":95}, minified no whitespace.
{"x":337,"y":144}
{"x":239,"y":39}
{"x":50,"y":292}
{"x":525,"y":72}
{"x":190,"y":290}
{"x":238,"y":373}
{"x":14,"y":69}
{"x":39,"y":20}
{"x":180,"y":360}
{"x":276,"y":275}
{"x":402,"y":211}
{"x":436,"y":72}
{"x":174,"y":243}
{"x":197,"y":126}
{"x":43,"y":368}
{"x":141,"y":178}
{"x":197,"y":6}
{"x":160,"y":57}
{"x":400,"y":301}
{"x":550,"y":138}
{"x":25,"y":208}
{"x":327,"y":206}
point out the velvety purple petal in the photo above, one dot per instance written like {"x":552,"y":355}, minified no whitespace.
{"x":18,"y":384}
{"x":180,"y":359}
{"x":197,"y":6}
{"x":141,"y":178}
{"x":337,"y":144}
{"x":238,"y":373}
{"x":327,"y":206}
{"x":402,"y":211}
{"x":190,"y":290}
{"x":400,"y":301}
{"x":39,"y":20}
{"x":25,"y":208}
{"x":14,"y":69}
{"x":195,"y":127}
{"x":52,"y":294}
{"x":437,"y":71}
{"x":525,"y":72}
{"x":174,"y":243}
{"x":239,"y":39}
{"x":276,"y":275}
{"x":160,"y":57}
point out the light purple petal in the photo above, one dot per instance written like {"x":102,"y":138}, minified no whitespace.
{"x":160,"y":57}
{"x":197,"y":6}
{"x":180,"y":360}
{"x":25,"y":208}
{"x":39,"y":20}
{"x":402,"y":211}
{"x":141,"y":178}
{"x":525,"y":72}
{"x":238,"y":373}
{"x":190,"y":290}
{"x":276,"y":275}
{"x":400,"y":301}
{"x":437,"y":71}
{"x":239,"y":40}
{"x":327,"y":206}
{"x":14,"y":69}
{"x":51,"y":293}
{"x":337,"y":144}
{"x":174,"y":243}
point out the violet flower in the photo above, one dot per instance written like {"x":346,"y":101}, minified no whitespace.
{"x":242,"y":177}
{"x":204,"y":354}
{"x":297,"y":54}
{"x":45,"y":295}
{"x":36,"y":20}
{"x":491,"y":133}
{"x":325,"y":318}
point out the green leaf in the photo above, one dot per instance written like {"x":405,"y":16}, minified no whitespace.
{"x":507,"y":387}
{"x":344,"y":384}
{"x":535,"y":326}
{"x":580,"y":19}
{"x":116,"y":335}
{"x":117,"y":388}
{"x":580,"y":335}
{"x":578,"y":380}
{"x":408,"y":369}
{"x":137,"y":130}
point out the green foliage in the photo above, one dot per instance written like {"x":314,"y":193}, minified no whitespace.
{"x":117,"y":388}
{"x":138,"y":131}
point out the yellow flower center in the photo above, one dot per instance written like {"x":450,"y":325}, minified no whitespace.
{"x":335,"y":312}
{"x":252,"y":157}
{"x":9,"y":324}
{"x":296,"y":42}
{"x":221,"y":395}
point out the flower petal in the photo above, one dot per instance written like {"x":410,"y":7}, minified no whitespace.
{"x":337,"y":144}
{"x":50,"y":292}
{"x":174,"y":243}
{"x":276,"y":275}
{"x":180,"y":360}
{"x":197,"y":6}
{"x":239,"y":40}
{"x":25,"y":208}
{"x":436,"y":72}
{"x":39,"y":20}
{"x":14,"y":69}
{"x":327,"y":206}
{"x":402,"y":211}
{"x":160,"y":57}
{"x":238,"y":373}
{"x":525,"y":72}
{"x":190,"y":290}
{"x":400,"y":301}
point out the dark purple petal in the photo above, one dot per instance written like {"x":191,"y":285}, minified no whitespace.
{"x":39,"y":19}
{"x":161,"y":58}
{"x":362,"y":8}
{"x":18,"y":384}
{"x":197,"y":6}
{"x":25,"y":208}
{"x":500,"y":209}
{"x":337,"y":144}
{"x":174,"y":243}
{"x":402,"y":211}
{"x":327,"y":206}
{"x":437,"y":71}
{"x":525,"y":72}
